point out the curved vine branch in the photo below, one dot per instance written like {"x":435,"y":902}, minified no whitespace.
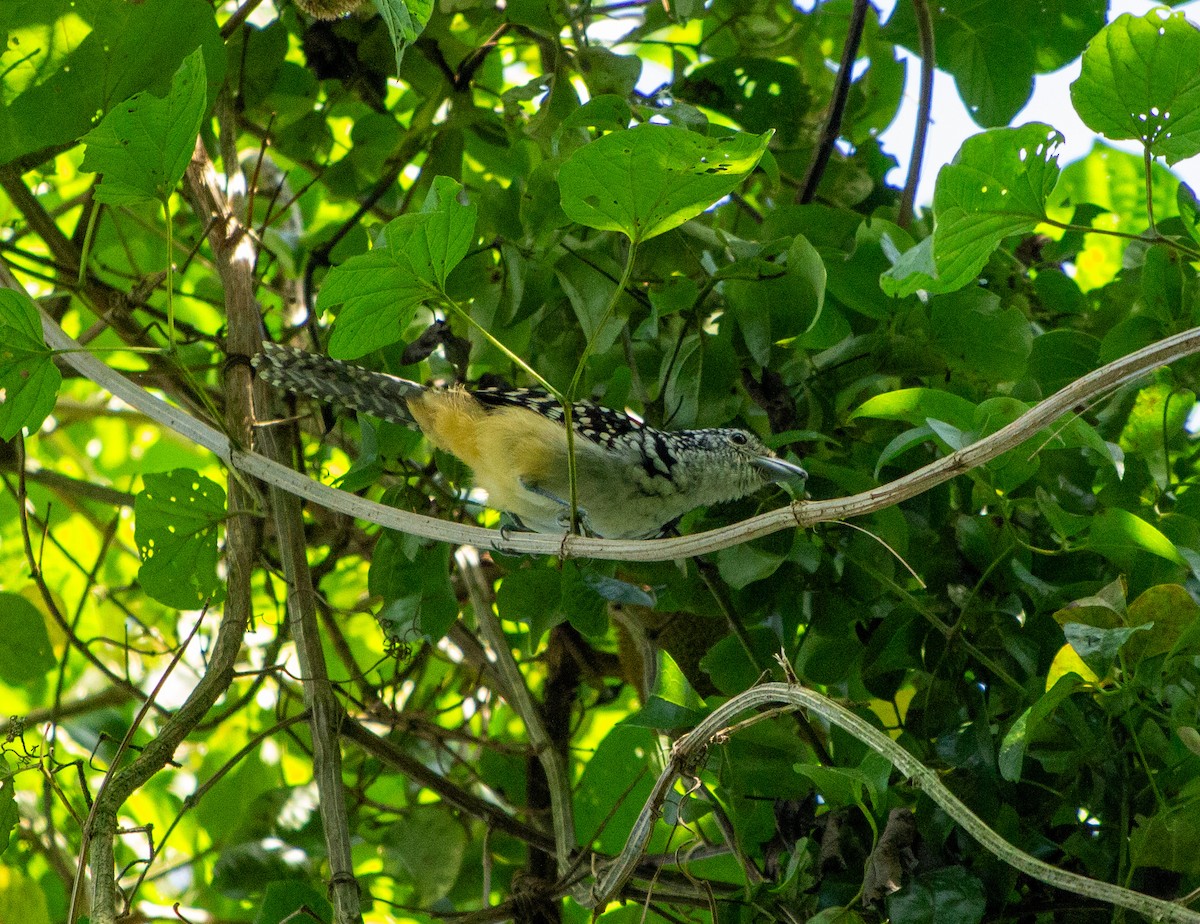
{"x":690,"y":749}
{"x":800,"y":513}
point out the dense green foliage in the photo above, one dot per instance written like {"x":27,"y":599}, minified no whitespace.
{"x":516,"y":204}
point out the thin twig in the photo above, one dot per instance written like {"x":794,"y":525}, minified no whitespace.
{"x":924,"y":112}
{"x":558,"y":780}
{"x":837,"y":105}
{"x":716,"y":727}
{"x":101,"y":824}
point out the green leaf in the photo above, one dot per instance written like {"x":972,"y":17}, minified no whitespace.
{"x":992,"y":63}
{"x":1189,"y":210}
{"x":1159,"y":414}
{"x":531,"y":596}
{"x":996,"y":186}
{"x":607,"y":73}
{"x":652,"y":178}
{"x":918,"y":406}
{"x":774,"y":303}
{"x":1105,"y":609}
{"x":545,"y":597}
{"x":1025,"y":728}
{"x":1013,"y":468}
{"x":1098,"y":647}
{"x":29,"y":380}
{"x":586,"y":610}
{"x":947,"y":894}
{"x":993,"y":67}
{"x":837,"y":915}
{"x":176,"y":516}
{"x":980,"y":338}
{"x":901,"y":444}
{"x":758,"y":93}
{"x":617,"y":591}
{"x":405,"y":20}
{"x":841,"y":786}
{"x":614,"y":785}
{"x":289,"y":900}
{"x":1167,"y":611}
{"x":1169,"y":839}
{"x":1066,"y":525}
{"x":1058,"y":357}
{"x":414,"y":580}
{"x":449,"y":229}
{"x":605,"y":110}
{"x":431,"y":844}
{"x":10,"y":815}
{"x":1112,"y":184}
{"x":381,"y":290}
{"x":26,"y":654}
{"x":1139,"y":81}
{"x":746,"y":563}
{"x":71,"y":60}
{"x":22,"y":897}
{"x":1118,"y":535}
{"x":144,"y":144}
{"x":729,"y":664}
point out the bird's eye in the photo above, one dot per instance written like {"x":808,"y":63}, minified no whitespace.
{"x":738,"y":439}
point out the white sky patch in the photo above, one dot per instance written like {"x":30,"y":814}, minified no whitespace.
{"x":951,"y":124}
{"x":1050,"y":103}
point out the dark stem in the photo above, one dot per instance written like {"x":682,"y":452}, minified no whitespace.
{"x":837,"y":106}
{"x":924,"y":109}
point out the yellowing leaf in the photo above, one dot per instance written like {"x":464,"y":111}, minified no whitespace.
{"x":1067,"y":661}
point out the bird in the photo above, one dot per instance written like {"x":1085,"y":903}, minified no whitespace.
{"x":632,"y":481}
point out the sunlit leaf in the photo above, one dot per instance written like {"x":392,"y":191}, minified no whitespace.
{"x":1118,"y":535}
{"x":998,"y":185}
{"x":26,"y":655}
{"x":1137,"y":82}
{"x":652,"y":178}
{"x":177,"y":514}
{"x":71,"y":61}
{"x":917,"y":406}
{"x":380,"y":291}
{"x":406,"y":20}
{"x":29,"y":380}
{"x":144,"y":144}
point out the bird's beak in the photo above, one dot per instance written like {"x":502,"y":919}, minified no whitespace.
{"x":779,"y":469}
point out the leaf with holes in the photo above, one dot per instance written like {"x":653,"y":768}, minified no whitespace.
{"x":1139,"y":81}
{"x":651,"y":178}
{"x":405,"y":20}
{"x":144,"y":144}
{"x":177,"y":514}
{"x":997,"y":186}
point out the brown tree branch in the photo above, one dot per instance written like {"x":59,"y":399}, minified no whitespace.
{"x":235,"y":251}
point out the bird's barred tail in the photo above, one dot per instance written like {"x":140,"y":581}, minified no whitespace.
{"x":337,"y":382}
